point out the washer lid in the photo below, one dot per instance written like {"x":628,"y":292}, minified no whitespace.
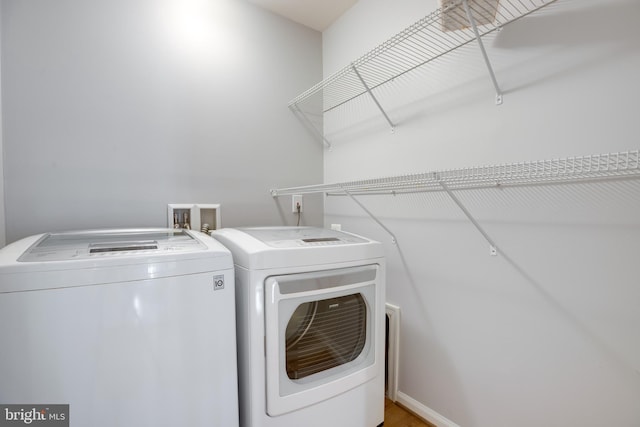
{"x":293,"y":237}
{"x":100,"y":243}
{"x":97,"y":257}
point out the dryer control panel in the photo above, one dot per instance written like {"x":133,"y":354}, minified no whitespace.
{"x":290,"y":237}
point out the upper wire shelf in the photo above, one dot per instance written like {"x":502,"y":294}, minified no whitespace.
{"x":572,"y":169}
{"x":437,"y":34}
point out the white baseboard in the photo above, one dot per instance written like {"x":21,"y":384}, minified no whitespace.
{"x":425,"y":412}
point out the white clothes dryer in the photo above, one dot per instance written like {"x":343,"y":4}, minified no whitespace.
{"x":310,"y":306}
{"x":127,"y":327}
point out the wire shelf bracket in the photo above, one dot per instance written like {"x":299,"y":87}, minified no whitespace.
{"x":493,"y":248}
{"x":355,"y":70}
{"x":373,"y":217}
{"x":474,"y":26}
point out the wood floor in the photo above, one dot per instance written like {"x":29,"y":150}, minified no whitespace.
{"x":397,"y":416}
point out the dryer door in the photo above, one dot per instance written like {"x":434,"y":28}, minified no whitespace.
{"x":320,"y":333}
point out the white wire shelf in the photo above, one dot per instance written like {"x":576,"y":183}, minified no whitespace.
{"x":542,"y":172}
{"x":431,"y":37}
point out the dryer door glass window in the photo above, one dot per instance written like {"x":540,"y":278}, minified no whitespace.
{"x":324,"y":334}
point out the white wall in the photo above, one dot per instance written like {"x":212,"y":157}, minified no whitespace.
{"x":113,"y":109}
{"x":546,"y":333}
{"x":2,"y":220}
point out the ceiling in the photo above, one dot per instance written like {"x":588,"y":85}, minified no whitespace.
{"x":316,"y":14}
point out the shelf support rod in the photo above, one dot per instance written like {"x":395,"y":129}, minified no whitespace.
{"x":492,"y":246}
{"x":309,"y":124}
{"x":366,"y":86}
{"x":372,"y":216}
{"x":483,"y":51}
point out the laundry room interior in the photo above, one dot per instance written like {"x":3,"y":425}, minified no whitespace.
{"x":493,"y":161}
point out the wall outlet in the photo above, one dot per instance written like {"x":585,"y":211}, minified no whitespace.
{"x":295,"y":200}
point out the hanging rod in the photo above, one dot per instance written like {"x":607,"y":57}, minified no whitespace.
{"x":541,"y":172}
{"x":433,"y":36}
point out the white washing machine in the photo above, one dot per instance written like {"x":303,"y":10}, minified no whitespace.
{"x":310,"y":323}
{"x":127,"y":327}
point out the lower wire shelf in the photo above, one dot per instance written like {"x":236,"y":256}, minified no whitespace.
{"x":540,"y":172}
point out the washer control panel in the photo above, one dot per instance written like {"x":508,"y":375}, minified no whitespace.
{"x":112,"y":243}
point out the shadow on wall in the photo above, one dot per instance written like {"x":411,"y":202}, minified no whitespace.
{"x":617,"y":361}
{"x":598,"y":24}
{"x":563,"y":289}
{"x":562,"y":29}
{"x":611,"y":31}
{"x":605,"y":212}
{"x":418,"y":325}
